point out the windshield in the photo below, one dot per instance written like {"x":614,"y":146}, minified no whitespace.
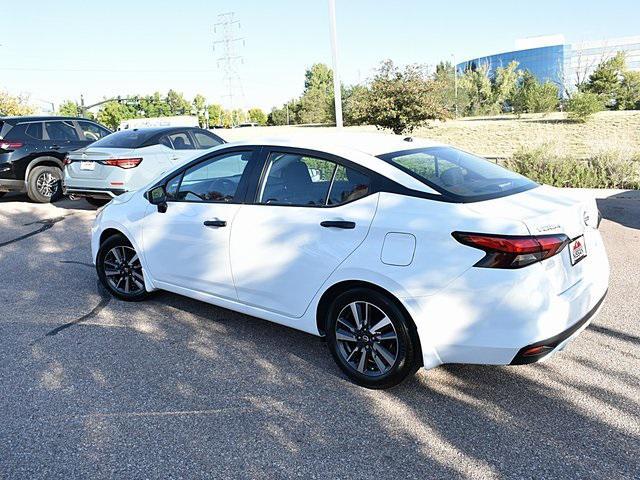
{"x":123,"y":139}
{"x":459,"y":174}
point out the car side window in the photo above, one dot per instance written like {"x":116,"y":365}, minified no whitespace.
{"x":294,"y":179}
{"x":92,"y":132}
{"x":34,"y":131}
{"x":348,"y":185}
{"x":25,"y":131}
{"x":171,"y":188}
{"x":63,"y":131}
{"x":213,"y":180}
{"x":164,"y":140}
{"x":181,"y":141}
{"x":206,"y":139}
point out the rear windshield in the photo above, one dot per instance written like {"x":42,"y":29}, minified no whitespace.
{"x":123,"y":139}
{"x":458,"y":174}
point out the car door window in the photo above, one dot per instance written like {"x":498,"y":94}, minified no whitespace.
{"x":348,"y":185}
{"x":92,"y":132}
{"x":61,"y":131}
{"x":181,"y":141}
{"x":25,"y":131}
{"x":295,"y":179}
{"x":166,"y":142}
{"x":213,"y":180}
{"x":206,"y":139}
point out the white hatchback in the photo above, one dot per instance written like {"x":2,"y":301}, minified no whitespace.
{"x":129,"y":159}
{"x":403,"y":253}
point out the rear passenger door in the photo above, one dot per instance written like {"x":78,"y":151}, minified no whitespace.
{"x":183,"y":146}
{"x":309,"y":213}
{"x":61,"y":136}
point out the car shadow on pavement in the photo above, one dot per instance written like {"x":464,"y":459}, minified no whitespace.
{"x":622,"y":208}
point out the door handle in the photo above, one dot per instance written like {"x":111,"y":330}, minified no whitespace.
{"x":215,"y":223}
{"x":55,"y":147}
{"x":338,"y":224}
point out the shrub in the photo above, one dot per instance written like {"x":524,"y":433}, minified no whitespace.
{"x":605,"y":169}
{"x":582,"y":105}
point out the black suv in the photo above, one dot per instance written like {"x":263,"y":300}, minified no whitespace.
{"x":32,"y":152}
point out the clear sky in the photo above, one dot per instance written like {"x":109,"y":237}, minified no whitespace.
{"x":57,"y":49}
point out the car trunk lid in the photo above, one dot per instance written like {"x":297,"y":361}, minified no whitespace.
{"x":86,"y":163}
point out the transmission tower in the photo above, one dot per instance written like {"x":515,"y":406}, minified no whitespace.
{"x":228,"y":43}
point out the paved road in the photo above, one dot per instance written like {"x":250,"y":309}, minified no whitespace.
{"x":96,"y":388}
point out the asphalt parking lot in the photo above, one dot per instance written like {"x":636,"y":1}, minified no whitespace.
{"x":91,"y":387}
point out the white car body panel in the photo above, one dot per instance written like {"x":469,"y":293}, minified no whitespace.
{"x":275,"y":262}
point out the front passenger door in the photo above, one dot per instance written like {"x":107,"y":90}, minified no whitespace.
{"x":187,"y":247}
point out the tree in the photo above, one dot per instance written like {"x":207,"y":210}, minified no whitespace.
{"x":354,"y":99}
{"x":504,"y":85}
{"x":605,"y":81}
{"x":582,"y":105}
{"x":154,"y":106}
{"x":177,"y":104}
{"x":286,"y":115}
{"x":215,"y":114}
{"x":69,"y":108}
{"x":531,"y":96}
{"x":402,"y":100}
{"x":256,"y":115}
{"x":112,"y":113}
{"x":476,"y":84}
{"x":14,"y":106}
{"x":199,"y":104}
{"x":316,"y":103}
{"x":629,"y":92}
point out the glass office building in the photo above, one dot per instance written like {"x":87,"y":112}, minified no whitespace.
{"x":561,"y":63}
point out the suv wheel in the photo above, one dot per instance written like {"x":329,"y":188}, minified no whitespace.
{"x":44,"y":184}
{"x":371,"y":339}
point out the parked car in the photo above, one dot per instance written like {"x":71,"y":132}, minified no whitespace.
{"x":402,"y":253}
{"x":129,"y":159}
{"x":32,"y":151}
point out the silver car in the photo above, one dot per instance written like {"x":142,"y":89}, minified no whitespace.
{"x":127,"y":160}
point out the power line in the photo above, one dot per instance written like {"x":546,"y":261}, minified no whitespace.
{"x":228,"y":42}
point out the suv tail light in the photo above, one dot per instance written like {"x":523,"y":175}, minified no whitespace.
{"x":123,"y":162}
{"x":67,"y":160}
{"x":9,"y":145}
{"x":512,"y":251}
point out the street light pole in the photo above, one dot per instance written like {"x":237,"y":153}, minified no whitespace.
{"x":337,"y":94}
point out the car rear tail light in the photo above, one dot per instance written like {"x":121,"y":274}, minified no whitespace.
{"x":123,"y":162}
{"x":512,"y":251}
{"x":10,"y":146}
{"x":67,"y":160}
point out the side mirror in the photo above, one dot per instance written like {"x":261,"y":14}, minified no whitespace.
{"x":158,"y":196}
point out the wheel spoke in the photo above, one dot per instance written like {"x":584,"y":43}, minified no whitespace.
{"x":381,"y":366}
{"x":382,"y":323}
{"x":111,"y":273}
{"x":343,"y":336}
{"x":137,"y":276}
{"x":116,"y":255}
{"x":137,"y":283}
{"x":343,"y":322}
{"x":363,"y":361}
{"x":388,"y":336}
{"x":356,"y":314}
{"x":353,"y":352}
{"x":386,"y":354}
{"x":134,"y":259}
{"x":127,"y":288}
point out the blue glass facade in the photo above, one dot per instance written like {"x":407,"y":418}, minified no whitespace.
{"x":546,"y":63}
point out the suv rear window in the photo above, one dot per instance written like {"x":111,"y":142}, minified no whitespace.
{"x":459,"y":174}
{"x":25,"y":131}
{"x":123,"y":139}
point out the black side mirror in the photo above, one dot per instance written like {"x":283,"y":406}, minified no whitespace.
{"x":158,"y":196}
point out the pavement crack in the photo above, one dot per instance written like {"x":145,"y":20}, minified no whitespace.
{"x":104,"y":301}
{"x":47,"y":223}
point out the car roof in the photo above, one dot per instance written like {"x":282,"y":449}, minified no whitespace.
{"x":361,"y":148}
{"x":41,"y":118}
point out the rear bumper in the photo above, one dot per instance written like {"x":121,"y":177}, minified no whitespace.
{"x":539,"y":350}
{"x":102,"y":193}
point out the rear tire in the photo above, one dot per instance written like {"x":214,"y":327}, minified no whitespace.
{"x":119,"y":269}
{"x":371,"y":339}
{"x":97,"y":202}
{"x":44,"y":184}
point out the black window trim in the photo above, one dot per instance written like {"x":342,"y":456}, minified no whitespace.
{"x":338,"y":161}
{"x":241,"y":193}
{"x":45,"y":131}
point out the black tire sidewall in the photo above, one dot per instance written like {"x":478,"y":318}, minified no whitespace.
{"x":108,"y":244}
{"x":407,"y":347}
{"x":32,"y":189}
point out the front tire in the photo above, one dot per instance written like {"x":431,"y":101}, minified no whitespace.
{"x":120,"y":270}
{"x":44,"y":184}
{"x":371,"y":339}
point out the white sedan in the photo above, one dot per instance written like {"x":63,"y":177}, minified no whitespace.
{"x":129,"y":159}
{"x":403,"y":253}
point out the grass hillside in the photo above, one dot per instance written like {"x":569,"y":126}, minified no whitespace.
{"x":503,"y":135}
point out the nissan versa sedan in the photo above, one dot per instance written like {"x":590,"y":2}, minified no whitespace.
{"x":129,"y":159}
{"x":401,"y":252}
